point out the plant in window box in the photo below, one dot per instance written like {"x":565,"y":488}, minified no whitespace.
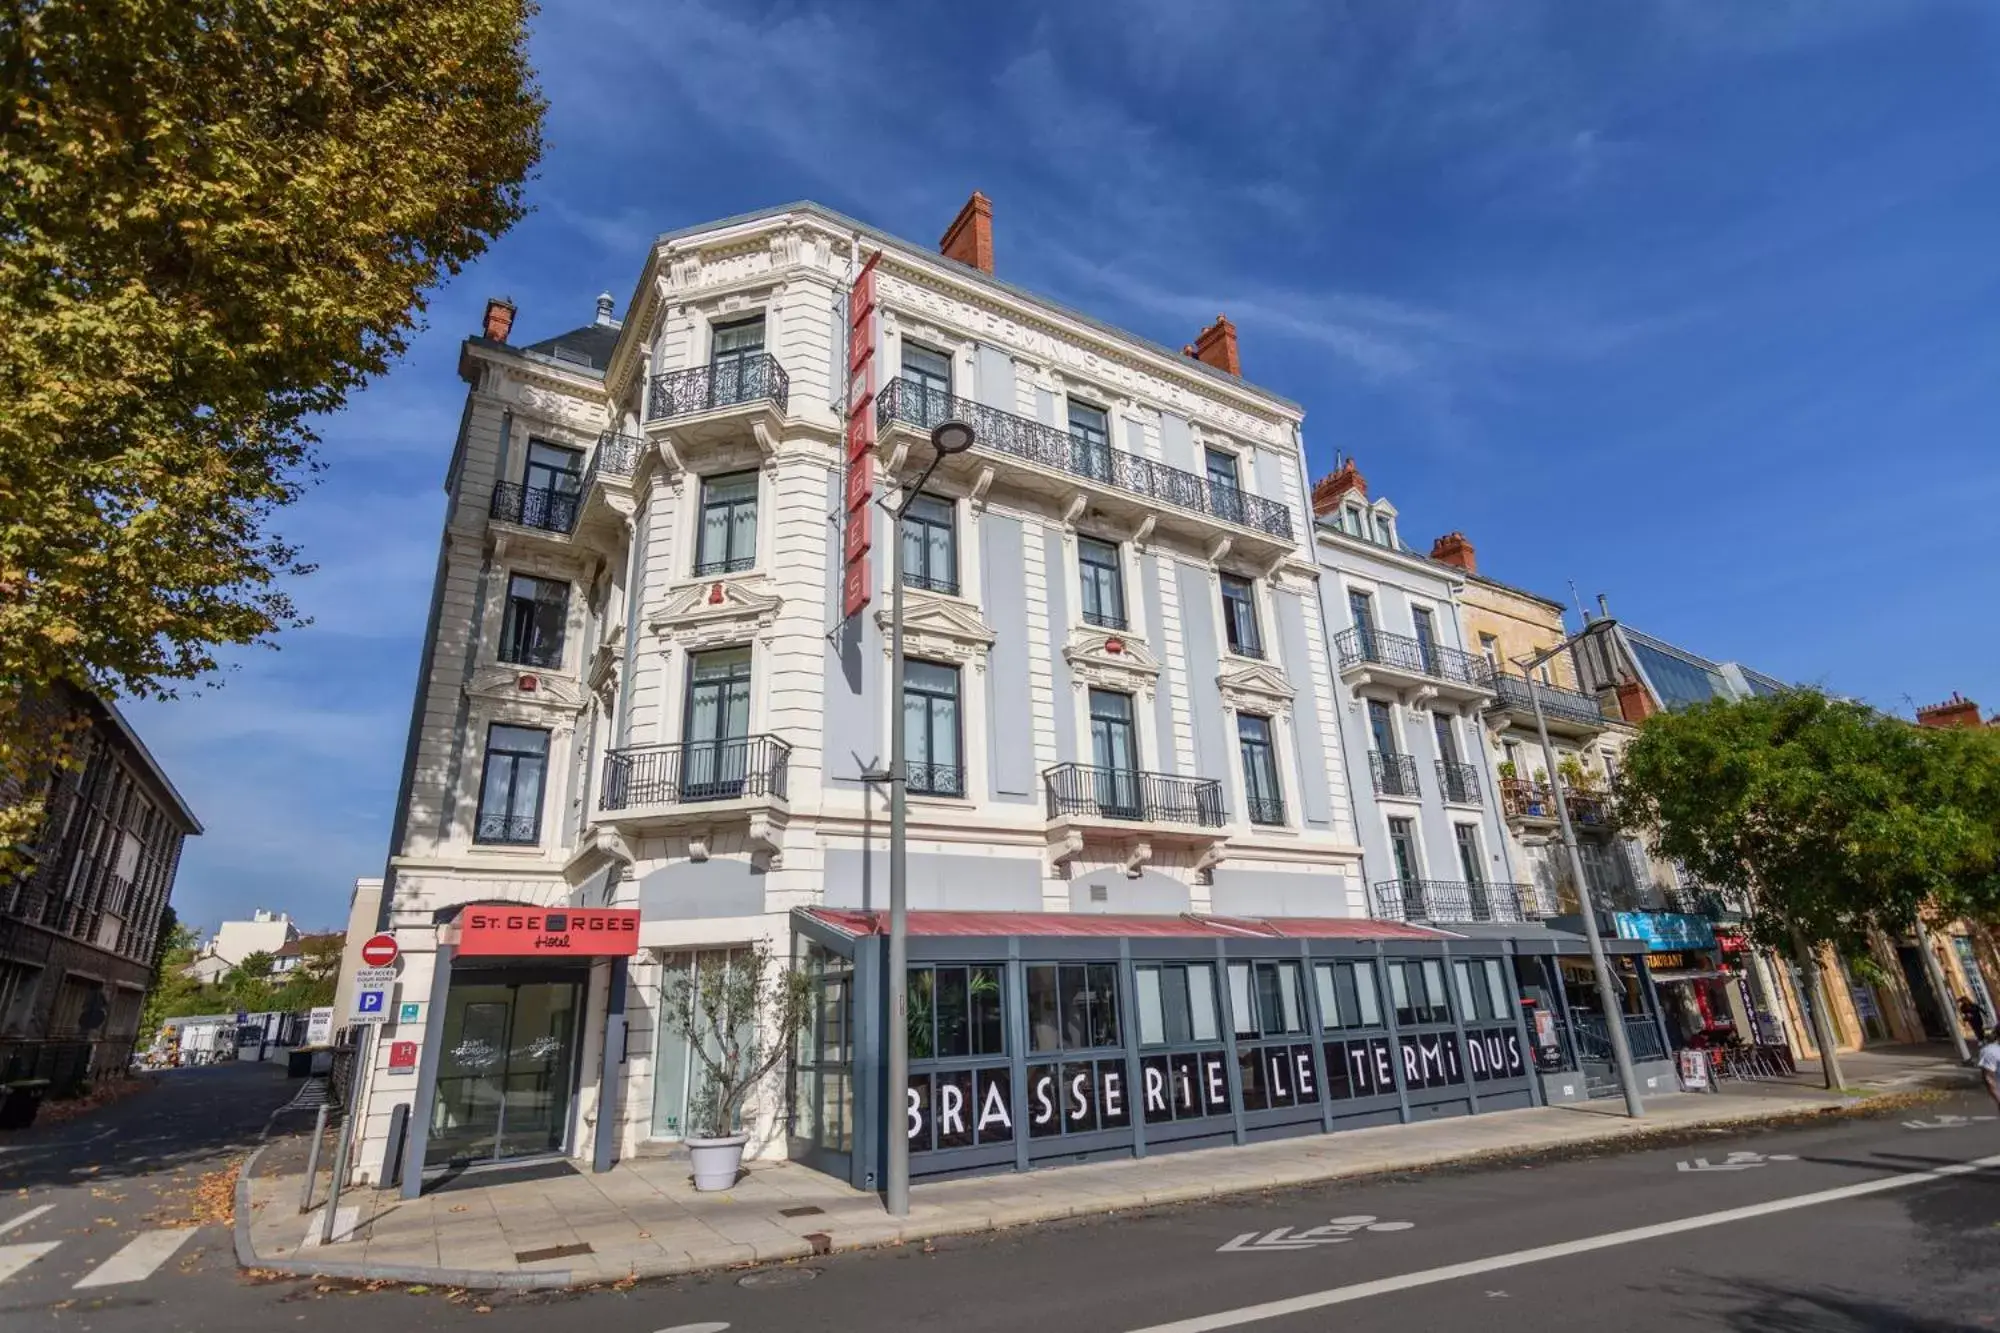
{"x":1508,"y":772}
{"x":1575,"y":776}
{"x":725,"y":1009}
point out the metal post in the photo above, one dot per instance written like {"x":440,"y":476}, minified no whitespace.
{"x":1607,"y":991}
{"x":896,"y":1176}
{"x":347,"y":1127}
{"x":312,"y":1159}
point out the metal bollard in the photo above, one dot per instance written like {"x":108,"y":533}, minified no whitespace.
{"x":312,"y":1159}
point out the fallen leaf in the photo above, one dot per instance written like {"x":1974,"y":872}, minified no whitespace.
{"x":418,"y":1290}
{"x":482,"y":1309}
{"x":645,"y":1235}
{"x":459,"y":1208}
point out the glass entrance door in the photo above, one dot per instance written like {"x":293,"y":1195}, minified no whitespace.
{"x":506,"y":1072}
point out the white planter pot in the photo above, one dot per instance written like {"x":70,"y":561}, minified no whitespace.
{"x":716,"y":1161}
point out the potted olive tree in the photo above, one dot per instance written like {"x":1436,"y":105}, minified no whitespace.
{"x":726,"y":1008}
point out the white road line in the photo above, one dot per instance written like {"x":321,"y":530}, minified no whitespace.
{"x":344,"y":1223}
{"x":14,"y":1258}
{"x":26,"y":1218}
{"x":137,"y":1259}
{"x":1360,"y":1291}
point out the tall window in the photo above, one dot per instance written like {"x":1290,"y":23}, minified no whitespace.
{"x":1103,"y":584}
{"x":553,"y":469}
{"x":1385,"y":531}
{"x":1403,"y":849}
{"x":716,"y":731}
{"x":931,"y":756}
{"x":1260,"y":770}
{"x":1381,"y":727}
{"x":1447,"y":739}
{"x":1239,"y":617}
{"x":1176,"y":1004}
{"x":532,"y":632}
{"x":1225,"y":487}
{"x":728,"y":539}
{"x":1361,"y":607}
{"x":510,"y":787}
{"x":1416,"y":986}
{"x":737,"y":371}
{"x":1114,"y":748}
{"x":1090,"y":433}
{"x":929,"y":371}
{"x":1467,"y":838}
{"x":1489,"y":648}
{"x":1426,"y":628}
{"x":930,"y":545}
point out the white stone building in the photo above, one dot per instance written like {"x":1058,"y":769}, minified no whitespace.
{"x":638,"y":689}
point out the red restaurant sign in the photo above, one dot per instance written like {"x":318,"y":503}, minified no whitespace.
{"x":516,"y":932}
{"x":861,"y":372}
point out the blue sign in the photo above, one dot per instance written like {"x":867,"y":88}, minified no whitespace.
{"x":1666,"y":931}
{"x":370,"y":1001}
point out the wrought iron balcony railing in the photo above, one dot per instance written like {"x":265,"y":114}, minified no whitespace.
{"x":1569,"y":705}
{"x":1123,"y":793}
{"x":944,"y":583}
{"x":727,"y":383}
{"x":1394,"y":774}
{"x":647,"y":775}
{"x":534,"y":507}
{"x":615,"y":456}
{"x":1266,"y":809}
{"x":1106,"y":620}
{"x":914,"y":404}
{"x":1588,"y":809}
{"x":1454,"y":900}
{"x":1361,"y":643}
{"x":728,"y":564}
{"x":934,"y":779}
{"x":515,"y":830}
{"x":1458,"y":782}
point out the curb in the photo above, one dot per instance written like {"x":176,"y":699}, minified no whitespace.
{"x":1003,"y":1219}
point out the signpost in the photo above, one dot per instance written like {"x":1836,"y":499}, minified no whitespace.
{"x":380,"y":951}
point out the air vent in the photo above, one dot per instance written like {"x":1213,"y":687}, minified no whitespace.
{"x":1099,"y":894}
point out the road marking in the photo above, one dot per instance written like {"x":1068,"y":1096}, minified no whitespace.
{"x":1337,"y":1232}
{"x":1736,"y":1161}
{"x":1945,"y":1122}
{"x":716,"y":1327}
{"x":1360,"y":1291}
{"x":137,"y":1259}
{"x":14,"y":1258}
{"x":344,"y":1223}
{"x":26,"y":1218}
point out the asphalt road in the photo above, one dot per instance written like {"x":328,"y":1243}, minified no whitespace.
{"x":1849,"y":1225}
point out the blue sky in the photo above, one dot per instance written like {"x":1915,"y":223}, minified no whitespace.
{"x":1697,"y":304}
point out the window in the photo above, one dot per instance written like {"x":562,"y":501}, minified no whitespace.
{"x":931,"y":761}
{"x":1416,"y":988}
{"x":1385,"y":532}
{"x":1177,"y":1004}
{"x":1483,"y":993}
{"x":716,"y":730}
{"x":1361,"y":607}
{"x":929,"y":370}
{"x":1103,"y":584}
{"x":1467,"y":837}
{"x":1267,"y":999}
{"x":728,"y":540}
{"x":1447,"y":739}
{"x":552,"y":469}
{"x":1489,"y":648}
{"x":1090,"y":434}
{"x":1355,"y":524}
{"x":1225,"y":486}
{"x":1348,"y":997}
{"x":1260,"y":770}
{"x":1403,"y":849}
{"x":531,"y":634}
{"x":1426,"y":629}
{"x":930,"y":545}
{"x":1114,"y":750}
{"x":1239,"y":616}
{"x":1382,"y":727}
{"x":955,"y":1012}
{"x":1072,"y":1007}
{"x":738,"y":371}
{"x":510,"y":788}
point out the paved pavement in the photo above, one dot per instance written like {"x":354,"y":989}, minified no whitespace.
{"x":104,"y":1212}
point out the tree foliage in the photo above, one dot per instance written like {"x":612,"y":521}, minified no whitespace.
{"x":217,"y":219}
{"x":741,"y":1015}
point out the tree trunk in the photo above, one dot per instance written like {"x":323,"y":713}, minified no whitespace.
{"x":1809,"y":970}
{"x":1941,"y":992}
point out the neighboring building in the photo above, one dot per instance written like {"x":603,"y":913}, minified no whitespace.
{"x":364,"y":913}
{"x":78,"y":930}
{"x":266,"y":932}
{"x":1956,"y":711}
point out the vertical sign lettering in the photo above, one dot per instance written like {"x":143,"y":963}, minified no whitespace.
{"x":858,"y":522}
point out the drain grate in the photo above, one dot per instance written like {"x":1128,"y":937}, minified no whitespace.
{"x":803,"y":1210}
{"x":551,"y":1252}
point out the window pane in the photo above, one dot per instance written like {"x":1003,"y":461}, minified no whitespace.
{"x":1044,"y":1015}
{"x":1462,"y":971}
{"x":1202,"y":1025}
{"x":1152,"y":1020}
{"x":1329,"y":1001}
{"x":1174,"y":988}
{"x":1399,"y":993}
{"x":1239,"y":1000}
{"x":1104,"y":1004}
{"x":1434,"y":990}
{"x":953,"y":1013}
{"x":988,"y":1030}
{"x":1075,"y":1008}
{"x":930,"y":677}
{"x":1367,"y":1003}
{"x":922,"y":1012}
{"x":1288,"y":996}
{"x":1497,"y":991}
{"x":1270,"y":1010}
{"x":518,"y":740}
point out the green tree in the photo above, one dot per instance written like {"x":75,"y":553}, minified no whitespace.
{"x":1820,"y":815}
{"x":217,"y":219}
{"x":174,"y":991}
{"x":311,"y":983}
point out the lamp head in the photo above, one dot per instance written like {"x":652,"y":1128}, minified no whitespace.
{"x":952,"y":437}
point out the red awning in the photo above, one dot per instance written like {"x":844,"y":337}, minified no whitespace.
{"x":1096,"y":925}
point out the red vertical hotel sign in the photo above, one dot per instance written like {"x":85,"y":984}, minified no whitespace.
{"x":861,"y":326}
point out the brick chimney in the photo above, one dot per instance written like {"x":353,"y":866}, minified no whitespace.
{"x":1634,"y":703}
{"x":1328,"y":490}
{"x":499,"y":318}
{"x":1953,"y":712}
{"x":1216,"y":346}
{"x":1454,"y":549}
{"x":969,"y":238}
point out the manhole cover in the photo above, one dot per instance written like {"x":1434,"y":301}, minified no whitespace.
{"x":777,"y":1277}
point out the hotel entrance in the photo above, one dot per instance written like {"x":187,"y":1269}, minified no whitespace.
{"x":507,"y":1067}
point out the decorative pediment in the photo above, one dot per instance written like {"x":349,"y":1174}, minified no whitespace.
{"x":1254,"y":687}
{"x":530,"y":686}
{"x":1110,"y":659}
{"x":944,"y":629}
{"x":714,"y":612}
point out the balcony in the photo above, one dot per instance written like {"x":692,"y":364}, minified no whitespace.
{"x":1589,"y":811}
{"x":1458,"y":782}
{"x":934,"y":779}
{"x":1445,"y":900}
{"x":1266,"y":809}
{"x":692,"y":787}
{"x":1413,"y":669}
{"x":1525,"y":802}
{"x":1566,"y":712}
{"x":717,"y":386}
{"x":1394,"y":775}
{"x":1136,"y":810}
{"x":538,"y":509}
{"x":1120,"y":484}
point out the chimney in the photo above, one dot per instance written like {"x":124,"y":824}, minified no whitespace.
{"x":969,"y":238}
{"x":1953,"y":712}
{"x":605,"y":307}
{"x":499,"y":318}
{"x":1603,"y":607}
{"x":1454,"y":549}
{"x":1328,"y":490}
{"x":1216,"y":346}
{"x":1634,"y":703}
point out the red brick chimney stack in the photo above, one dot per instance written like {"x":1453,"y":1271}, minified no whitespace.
{"x":1216,"y":346}
{"x":1328,"y":490}
{"x":969,"y":238}
{"x":1953,"y":712}
{"x":1454,"y":549}
{"x":499,"y":318}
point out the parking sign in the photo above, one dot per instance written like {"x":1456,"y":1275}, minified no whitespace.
{"x":371,"y":1001}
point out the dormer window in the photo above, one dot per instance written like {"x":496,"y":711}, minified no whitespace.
{"x":1385,"y":530}
{"x":1352,"y":522}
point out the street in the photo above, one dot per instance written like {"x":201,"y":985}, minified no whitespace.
{"x":1868,"y":1223}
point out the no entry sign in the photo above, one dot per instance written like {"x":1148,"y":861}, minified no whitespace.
{"x":380,"y":951}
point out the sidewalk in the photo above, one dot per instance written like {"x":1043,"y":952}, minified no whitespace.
{"x":564,"y":1227}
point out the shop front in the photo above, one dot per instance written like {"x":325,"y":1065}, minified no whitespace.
{"x":1042,"y":1039}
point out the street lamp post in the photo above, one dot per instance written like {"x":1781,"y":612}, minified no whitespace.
{"x":1608,"y":993}
{"x":950,"y":436}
